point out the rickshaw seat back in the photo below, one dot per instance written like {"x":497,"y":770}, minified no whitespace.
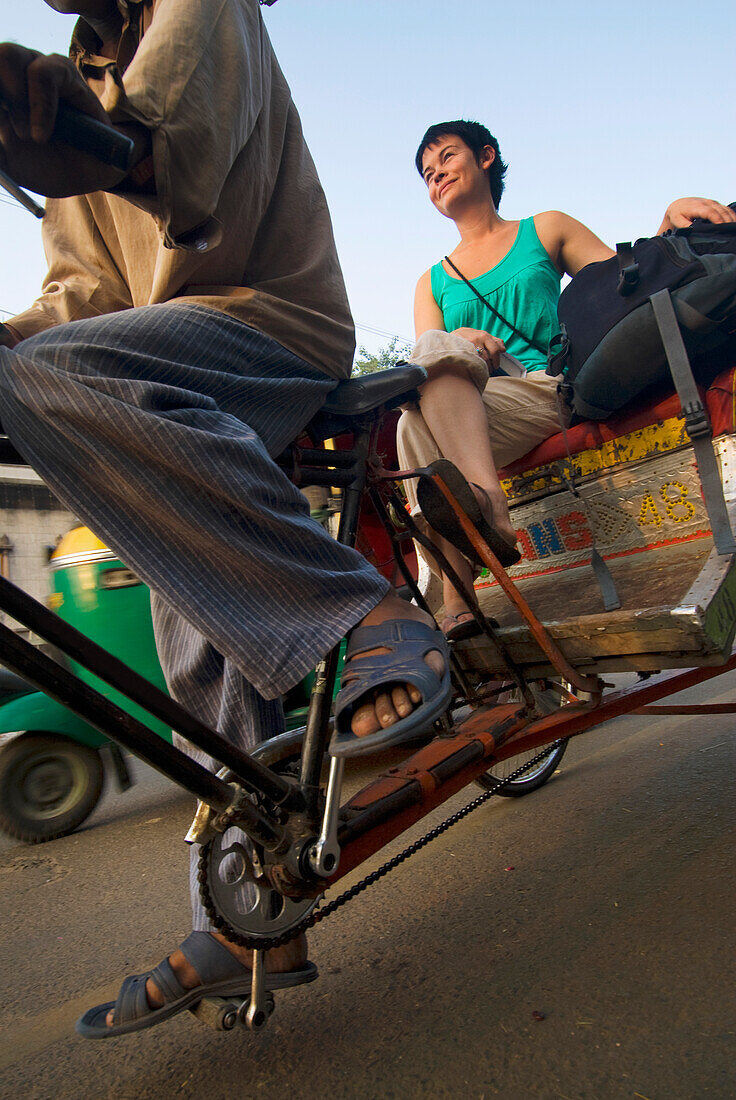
{"x":719,"y":398}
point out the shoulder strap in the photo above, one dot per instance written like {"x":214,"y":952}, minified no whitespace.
{"x":496,"y":314}
{"x":697,"y":421}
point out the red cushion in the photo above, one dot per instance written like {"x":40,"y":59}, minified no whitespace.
{"x":720,"y":399}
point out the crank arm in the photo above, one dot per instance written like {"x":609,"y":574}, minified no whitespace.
{"x":324,"y":855}
{"x":261,"y":1003}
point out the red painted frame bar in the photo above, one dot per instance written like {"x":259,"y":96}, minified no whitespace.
{"x":577,"y":718}
{"x":503,"y":732}
{"x":694,"y":708}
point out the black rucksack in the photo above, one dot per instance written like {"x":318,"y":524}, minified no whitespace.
{"x":609,"y":345}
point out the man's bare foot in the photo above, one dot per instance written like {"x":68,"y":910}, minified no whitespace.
{"x":280,"y":960}
{"x":387,"y":705}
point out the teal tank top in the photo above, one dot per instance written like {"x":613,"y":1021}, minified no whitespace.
{"x":524,"y":287}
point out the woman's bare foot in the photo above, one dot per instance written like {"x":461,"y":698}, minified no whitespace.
{"x":496,"y":513}
{"x":495,"y":509}
{"x":280,"y":960}
{"x":453,"y":602}
{"x":385,"y":706}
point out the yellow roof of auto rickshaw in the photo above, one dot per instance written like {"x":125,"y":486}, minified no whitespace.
{"x":77,"y":546}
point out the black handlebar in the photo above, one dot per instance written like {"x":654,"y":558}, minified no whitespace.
{"x":90,"y":136}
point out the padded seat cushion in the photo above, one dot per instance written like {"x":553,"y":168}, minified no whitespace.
{"x":720,"y":399}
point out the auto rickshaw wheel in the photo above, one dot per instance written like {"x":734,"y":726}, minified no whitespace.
{"x":48,"y":786}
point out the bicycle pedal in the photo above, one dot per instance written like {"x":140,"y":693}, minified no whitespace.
{"x":229,"y":1013}
{"x":219,"y":1013}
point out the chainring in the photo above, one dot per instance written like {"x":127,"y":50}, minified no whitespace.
{"x":237,"y":898}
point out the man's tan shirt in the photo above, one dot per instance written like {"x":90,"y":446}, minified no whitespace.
{"x":239,"y":221}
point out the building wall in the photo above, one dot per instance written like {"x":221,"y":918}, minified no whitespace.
{"x":31,"y":522}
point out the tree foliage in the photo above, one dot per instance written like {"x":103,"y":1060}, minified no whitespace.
{"x":394,"y":352}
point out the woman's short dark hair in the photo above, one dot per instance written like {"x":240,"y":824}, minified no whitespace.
{"x":476,"y":137}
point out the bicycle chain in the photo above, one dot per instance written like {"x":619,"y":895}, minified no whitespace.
{"x":317,"y":915}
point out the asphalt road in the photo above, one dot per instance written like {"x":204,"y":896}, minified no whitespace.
{"x":602,"y":903}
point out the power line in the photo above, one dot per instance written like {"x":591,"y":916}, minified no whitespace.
{"x":11,"y":202}
{"x":382,"y":332}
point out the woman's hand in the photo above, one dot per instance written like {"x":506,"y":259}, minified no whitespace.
{"x":682,"y":212}
{"x":488,"y":347}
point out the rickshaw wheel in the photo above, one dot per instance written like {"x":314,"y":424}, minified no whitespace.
{"x":48,"y":786}
{"x":548,"y":701}
{"x":532,"y":780}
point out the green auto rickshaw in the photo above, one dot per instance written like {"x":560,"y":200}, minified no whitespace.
{"x":51,"y":762}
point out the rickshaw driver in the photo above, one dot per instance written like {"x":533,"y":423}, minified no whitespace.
{"x":153,"y":381}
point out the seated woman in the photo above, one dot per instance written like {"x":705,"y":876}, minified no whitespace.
{"x":496,"y":293}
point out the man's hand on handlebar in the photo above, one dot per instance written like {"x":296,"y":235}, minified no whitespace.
{"x":8,"y":337}
{"x":31,"y":85}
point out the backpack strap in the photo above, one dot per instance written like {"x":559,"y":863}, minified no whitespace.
{"x":697,"y":421}
{"x":601,"y":572}
{"x":494,"y":311}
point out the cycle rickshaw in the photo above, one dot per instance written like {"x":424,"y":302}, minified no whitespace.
{"x":627,"y":492}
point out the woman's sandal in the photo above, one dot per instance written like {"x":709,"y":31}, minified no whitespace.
{"x":439,"y":514}
{"x":461,"y":627}
{"x":408,"y":643}
{"x":221,"y":975}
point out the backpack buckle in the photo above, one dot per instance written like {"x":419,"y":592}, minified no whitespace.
{"x":697,"y":421}
{"x":628,"y":280}
{"x":558,"y":352}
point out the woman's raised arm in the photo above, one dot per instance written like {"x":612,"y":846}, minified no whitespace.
{"x":569,"y":244}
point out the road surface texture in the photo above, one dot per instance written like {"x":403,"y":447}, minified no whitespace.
{"x":577,"y":943}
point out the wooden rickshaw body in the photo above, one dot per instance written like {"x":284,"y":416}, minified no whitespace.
{"x":628,"y":487}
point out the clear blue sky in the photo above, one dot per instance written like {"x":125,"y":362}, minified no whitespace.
{"x":604,"y":111}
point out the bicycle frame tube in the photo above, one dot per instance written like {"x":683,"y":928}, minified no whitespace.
{"x":26,"y":661}
{"x":317,"y":734}
{"x":74,"y":644}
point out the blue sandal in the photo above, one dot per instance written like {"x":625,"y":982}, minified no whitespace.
{"x":221,"y":974}
{"x":408,"y":643}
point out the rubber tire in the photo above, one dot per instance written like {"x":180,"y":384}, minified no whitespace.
{"x":49,"y":785}
{"x":488,"y":781}
{"x":543,"y":771}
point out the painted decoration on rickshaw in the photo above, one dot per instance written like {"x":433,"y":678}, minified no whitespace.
{"x":644,"y":506}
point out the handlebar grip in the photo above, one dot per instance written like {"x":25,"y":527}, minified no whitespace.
{"x":90,"y":136}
